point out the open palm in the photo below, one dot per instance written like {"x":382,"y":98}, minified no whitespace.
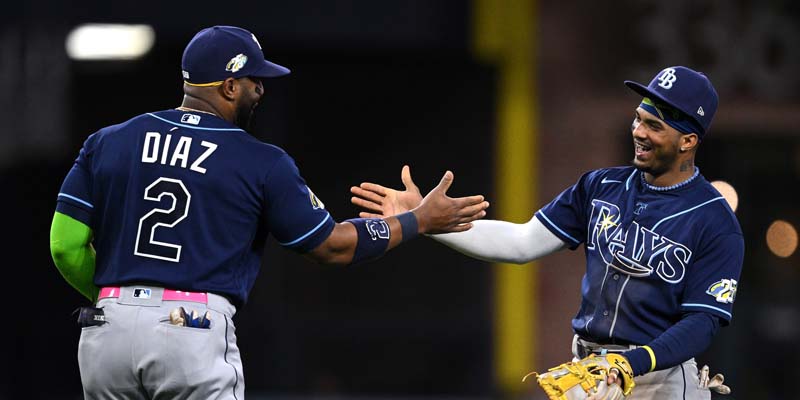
{"x":380,"y":201}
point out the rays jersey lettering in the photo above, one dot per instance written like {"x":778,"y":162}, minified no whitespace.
{"x":633,"y":249}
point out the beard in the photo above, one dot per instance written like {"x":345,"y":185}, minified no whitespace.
{"x":244,"y":117}
{"x":660,"y":163}
{"x":655,"y":170}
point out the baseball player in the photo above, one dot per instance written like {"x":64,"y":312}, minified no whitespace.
{"x":663,"y":249}
{"x":177,"y":205}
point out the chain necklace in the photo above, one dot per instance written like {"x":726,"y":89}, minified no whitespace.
{"x":675,"y":186}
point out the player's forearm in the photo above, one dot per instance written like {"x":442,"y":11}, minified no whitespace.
{"x":72,"y":252}
{"x":501,"y":241}
{"x":684,"y":340}
{"x":348,"y":240}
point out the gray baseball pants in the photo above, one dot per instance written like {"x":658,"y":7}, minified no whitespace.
{"x":138,"y":355}
{"x":681,"y":382}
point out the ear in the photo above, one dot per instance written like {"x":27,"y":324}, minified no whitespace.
{"x":689,"y":142}
{"x":229,"y":89}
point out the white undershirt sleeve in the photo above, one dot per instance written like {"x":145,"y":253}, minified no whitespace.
{"x":501,"y":241}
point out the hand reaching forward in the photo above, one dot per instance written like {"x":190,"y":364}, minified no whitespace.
{"x":385,"y":202}
{"x":436,"y":213}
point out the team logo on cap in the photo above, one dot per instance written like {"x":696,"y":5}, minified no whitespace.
{"x":667,"y":78}
{"x":236,"y":63}
{"x":724,"y":290}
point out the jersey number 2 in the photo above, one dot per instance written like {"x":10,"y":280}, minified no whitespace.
{"x":146,"y":245}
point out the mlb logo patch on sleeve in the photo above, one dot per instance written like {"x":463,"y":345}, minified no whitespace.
{"x":724,"y":290}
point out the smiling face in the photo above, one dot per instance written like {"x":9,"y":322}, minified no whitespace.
{"x":657,"y":146}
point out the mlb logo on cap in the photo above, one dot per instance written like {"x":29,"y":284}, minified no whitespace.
{"x":684,"y":89}
{"x":222,"y":52}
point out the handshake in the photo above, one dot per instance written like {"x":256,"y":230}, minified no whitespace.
{"x":180,"y":317}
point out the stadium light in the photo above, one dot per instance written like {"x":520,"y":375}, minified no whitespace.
{"x":782,"y":238}
{"x":109,"y":41}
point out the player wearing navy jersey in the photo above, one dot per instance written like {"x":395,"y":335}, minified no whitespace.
{"x":663,"y":249}
{"x":178,"y":205}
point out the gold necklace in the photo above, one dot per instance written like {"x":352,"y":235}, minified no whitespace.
{"x":182,"y":108}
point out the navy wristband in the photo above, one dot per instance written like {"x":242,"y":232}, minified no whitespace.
{"x":373,"y":238}
{"x":408,"y":221}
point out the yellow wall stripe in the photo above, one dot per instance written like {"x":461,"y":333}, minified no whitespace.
{"x":503,"y":35}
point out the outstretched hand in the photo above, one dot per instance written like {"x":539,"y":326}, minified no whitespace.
{"x":436,"y":212}
{"x":439,"y":213}
{"x":380,"y":201}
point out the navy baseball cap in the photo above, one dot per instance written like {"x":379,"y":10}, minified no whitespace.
{"x":684,"y":89}
{"x":220,"y":52}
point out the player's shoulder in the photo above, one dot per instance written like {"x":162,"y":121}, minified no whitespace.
{"x":260,"y":149}
{"x":716,"y":207}
{"x":136,"y":121}
{"x":99,"y":136}
{"x":180,"y":119}
{"x":710,"y":214}
{"x":619,"y":175}
{"x":173,"y":119}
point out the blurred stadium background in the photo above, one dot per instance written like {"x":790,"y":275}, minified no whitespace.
{"x":517,"y":97}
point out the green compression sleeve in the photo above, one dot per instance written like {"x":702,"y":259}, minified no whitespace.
{"x":73,"y":254}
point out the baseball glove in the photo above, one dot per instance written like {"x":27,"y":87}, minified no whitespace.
{"x":587,"y":379}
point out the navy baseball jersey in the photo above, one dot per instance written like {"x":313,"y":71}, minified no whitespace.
{"x":652,"y":253}
{"x":186,"y":200}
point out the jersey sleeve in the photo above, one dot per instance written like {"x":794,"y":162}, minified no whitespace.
{"x":75,"y":196}
{"x":294,"y":215}
{"x":565,"y":216}
{"x":713,"y":277}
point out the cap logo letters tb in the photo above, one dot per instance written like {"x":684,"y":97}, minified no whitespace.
{"x":667,"y":78}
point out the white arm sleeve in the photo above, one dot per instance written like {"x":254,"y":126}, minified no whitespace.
{"x":501,"y":241}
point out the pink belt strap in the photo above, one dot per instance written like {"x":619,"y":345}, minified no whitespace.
{"x":169,"y":295}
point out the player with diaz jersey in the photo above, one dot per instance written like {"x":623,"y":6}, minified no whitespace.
{"x":664,"y":251}
{"x":178,"y":205}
